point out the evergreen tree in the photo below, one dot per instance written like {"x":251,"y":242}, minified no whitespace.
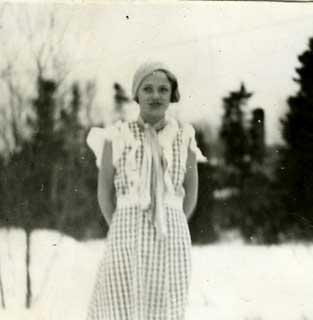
{"x":295,"y":172}
{"x":76,"y":174}
{"x":234,"y":133}
{"x":26,"y":180}
{"x":251,"y":209}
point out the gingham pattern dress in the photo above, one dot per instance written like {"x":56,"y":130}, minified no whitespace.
{"x":142,"y":277}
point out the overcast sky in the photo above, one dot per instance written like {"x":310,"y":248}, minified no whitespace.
{"x":211,"y":46}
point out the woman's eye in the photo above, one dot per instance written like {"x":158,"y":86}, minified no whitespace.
{"x":164,"y":89}
{"x":147,"y":89}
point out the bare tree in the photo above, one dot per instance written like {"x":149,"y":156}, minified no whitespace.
{"x":23,"y":70}
{"x":40,"y":55}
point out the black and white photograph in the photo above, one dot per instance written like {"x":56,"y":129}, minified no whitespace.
{"x":156,"y":160}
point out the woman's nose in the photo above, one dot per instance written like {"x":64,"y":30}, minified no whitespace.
{"x":155,"y":94}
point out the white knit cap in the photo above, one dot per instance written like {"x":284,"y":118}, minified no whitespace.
{"x":149,"y":67}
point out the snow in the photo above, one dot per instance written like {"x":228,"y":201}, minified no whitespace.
{"x":248,"y":282}
{"x":12,"y":268}
{"x":230,"y":280}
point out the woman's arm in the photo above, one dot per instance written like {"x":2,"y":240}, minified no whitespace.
{"x":190,"y":184}
{"x":106,"y":190}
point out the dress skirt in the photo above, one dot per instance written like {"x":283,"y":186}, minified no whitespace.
{"x":141,"y":277}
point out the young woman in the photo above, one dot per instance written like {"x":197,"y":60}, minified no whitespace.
{"x":147,"y":190}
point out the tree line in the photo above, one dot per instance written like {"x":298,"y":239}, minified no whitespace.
{"x":269,"y":187}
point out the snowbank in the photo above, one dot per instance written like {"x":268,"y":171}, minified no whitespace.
{"x":229,"y":280}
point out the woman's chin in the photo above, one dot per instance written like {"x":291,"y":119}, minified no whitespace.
{"x":155,"y":114}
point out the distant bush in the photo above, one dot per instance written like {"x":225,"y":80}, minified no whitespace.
{"x":255,"y":211}
{"x":201,"y":223}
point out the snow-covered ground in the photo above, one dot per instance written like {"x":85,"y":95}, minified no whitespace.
{"x":230,"y":280}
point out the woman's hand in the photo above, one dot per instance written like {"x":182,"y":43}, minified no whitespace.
{"x":106,"y":190}
{"x":190,"y":184}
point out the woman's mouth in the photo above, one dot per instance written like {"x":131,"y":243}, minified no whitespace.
{"x":155,"y":104}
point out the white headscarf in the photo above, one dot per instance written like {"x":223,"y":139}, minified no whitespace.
{"x":148,"y":68}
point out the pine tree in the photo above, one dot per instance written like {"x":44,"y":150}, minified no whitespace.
{"x":295,"y":172}
{"x":76,"y":173}
{"x":234,"y":133}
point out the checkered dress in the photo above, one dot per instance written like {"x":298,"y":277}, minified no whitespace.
{"x":142,"y":277}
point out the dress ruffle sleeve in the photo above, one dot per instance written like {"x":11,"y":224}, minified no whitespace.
{"x":95,"y":140}
{"x":97,"y":137}
{"x":191,"y":144}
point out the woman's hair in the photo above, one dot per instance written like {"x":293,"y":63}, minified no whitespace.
{"x":148,"y":68}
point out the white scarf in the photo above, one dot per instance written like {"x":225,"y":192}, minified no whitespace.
{"x":151,"y":185}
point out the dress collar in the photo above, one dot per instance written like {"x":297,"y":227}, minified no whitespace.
{"x":158,"y":126}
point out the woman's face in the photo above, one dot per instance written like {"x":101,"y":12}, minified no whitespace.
{"x":154,"y":95}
